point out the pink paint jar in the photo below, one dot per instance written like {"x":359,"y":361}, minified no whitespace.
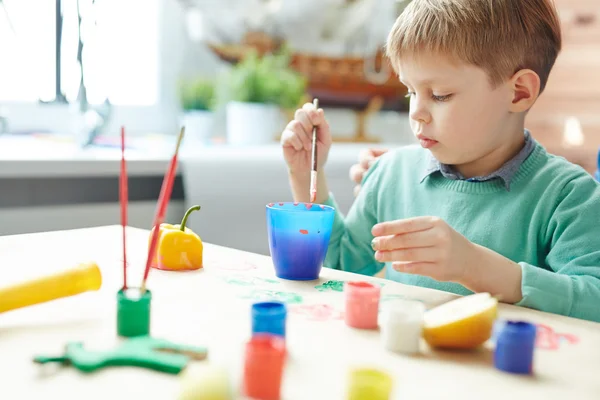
{"x":362,"y":304}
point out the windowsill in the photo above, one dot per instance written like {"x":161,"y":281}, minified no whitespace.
{"x":25,"y":156}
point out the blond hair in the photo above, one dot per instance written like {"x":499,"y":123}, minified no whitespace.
{"x":499,"y":36}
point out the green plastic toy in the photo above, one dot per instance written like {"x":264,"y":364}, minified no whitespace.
{"x":142,"y":351}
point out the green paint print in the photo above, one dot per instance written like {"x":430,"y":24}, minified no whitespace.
{"x":245,"y":280}
{"x":338,"y":286}
{"x":335,"y":286}
{"x":262,"y":295}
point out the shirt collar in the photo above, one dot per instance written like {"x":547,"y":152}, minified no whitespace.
{"x":505,"y":173}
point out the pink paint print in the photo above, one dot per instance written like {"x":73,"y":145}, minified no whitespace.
{"x":271,"y":204}
{"x":308,"y":205}
{"x":318,"y":312}
{"x":548,"y":339}
{"x":296,"y":203}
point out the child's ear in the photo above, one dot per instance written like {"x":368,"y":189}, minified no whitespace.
{"x":525,"y":85}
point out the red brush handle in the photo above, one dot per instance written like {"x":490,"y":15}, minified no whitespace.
{"x":123,"y":200}
{"x":165,"y":196}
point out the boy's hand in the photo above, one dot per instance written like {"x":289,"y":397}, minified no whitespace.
{"x":424,"y":246}
{"x":365,"y":159}
{"x":296,"y":140}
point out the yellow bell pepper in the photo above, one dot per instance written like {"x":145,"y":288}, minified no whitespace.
{"x":178,"y":247}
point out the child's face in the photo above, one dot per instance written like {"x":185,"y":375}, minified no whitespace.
{"x":456,"y":107}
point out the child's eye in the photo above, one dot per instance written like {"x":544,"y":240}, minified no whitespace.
{"x":441,"y":98}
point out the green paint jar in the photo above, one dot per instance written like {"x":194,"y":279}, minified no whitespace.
{"x":133,"y":312}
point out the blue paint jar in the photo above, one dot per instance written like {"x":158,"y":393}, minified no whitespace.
{"x":269,"y":317}
{"x":515,"y":343}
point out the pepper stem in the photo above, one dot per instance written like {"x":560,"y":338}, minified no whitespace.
{"x":185,"y":217}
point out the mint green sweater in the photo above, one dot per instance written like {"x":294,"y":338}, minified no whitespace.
{"x":549,"y":223}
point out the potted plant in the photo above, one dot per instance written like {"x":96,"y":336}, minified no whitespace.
{"x":197,"y":98}
{"x":256,"y":91}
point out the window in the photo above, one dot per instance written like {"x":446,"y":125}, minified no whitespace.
{"x":120,"y":57}
{"x":27,"y":39}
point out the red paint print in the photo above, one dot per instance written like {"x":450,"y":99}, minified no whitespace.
{"x":280,"y":204}
{"x":304,"y":231}
{"x":318,"y":312}
{"x":548,"y":339}
{"x":308,"y":205}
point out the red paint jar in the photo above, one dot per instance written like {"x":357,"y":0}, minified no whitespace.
{"x":362,"y":304}
{"x":263,"y":367}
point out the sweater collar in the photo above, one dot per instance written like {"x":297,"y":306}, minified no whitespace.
{"x":505,"y":173}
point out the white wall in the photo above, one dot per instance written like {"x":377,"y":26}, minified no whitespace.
{"x":40,"y":219}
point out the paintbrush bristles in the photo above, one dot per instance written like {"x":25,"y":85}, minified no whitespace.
{"x":179,"y":139}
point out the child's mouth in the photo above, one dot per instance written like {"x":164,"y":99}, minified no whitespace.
{"x":427,"y":143}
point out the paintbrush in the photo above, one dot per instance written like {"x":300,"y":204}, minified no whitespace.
{"x":123,"y":199}
{"x":163,"y":201}
{"x":313,"y":173}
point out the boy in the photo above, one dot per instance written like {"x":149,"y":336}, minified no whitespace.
{"x":480,"y":206}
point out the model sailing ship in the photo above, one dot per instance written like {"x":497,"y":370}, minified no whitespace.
{"x":336,"y":44}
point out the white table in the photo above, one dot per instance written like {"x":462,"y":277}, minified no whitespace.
{"x":201,"y":308}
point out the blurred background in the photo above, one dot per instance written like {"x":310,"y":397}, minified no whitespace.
{"x":72,"y":73}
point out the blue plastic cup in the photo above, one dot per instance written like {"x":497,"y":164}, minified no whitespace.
{"x":269,"y":317}
{"x":299,"y":238}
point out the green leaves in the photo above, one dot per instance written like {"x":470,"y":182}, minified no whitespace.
{"x":267,"y":79}
{"x":197,"y":94}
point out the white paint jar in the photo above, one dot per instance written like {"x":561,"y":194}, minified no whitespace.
{"x":401,"y":326}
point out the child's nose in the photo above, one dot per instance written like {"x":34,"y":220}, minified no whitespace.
{"x":419,"y":113}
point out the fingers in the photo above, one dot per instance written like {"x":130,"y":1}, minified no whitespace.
{"x":298,"y":133}
{"x":415,"y":254}
{"x":291,"y":137}
{"x":304,"y":127}
{"x":367,"y":156}
{"x":316,"y":117}
{"x":417,"y":268}
{"x":305,"y":137}
{"x":401,"y":226}
{"x":378,"y":152}
{"x":356,"y":173}
{"x":425,"y":238}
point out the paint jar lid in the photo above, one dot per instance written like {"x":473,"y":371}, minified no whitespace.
{"x":369,"y":384}
{"x":269,"y":309}
{"x":269,"y":317}
{"x":403,"y":312}
{"x":516,"y":332}
{"x":133,"y":312}
{"x":361,"y":291}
